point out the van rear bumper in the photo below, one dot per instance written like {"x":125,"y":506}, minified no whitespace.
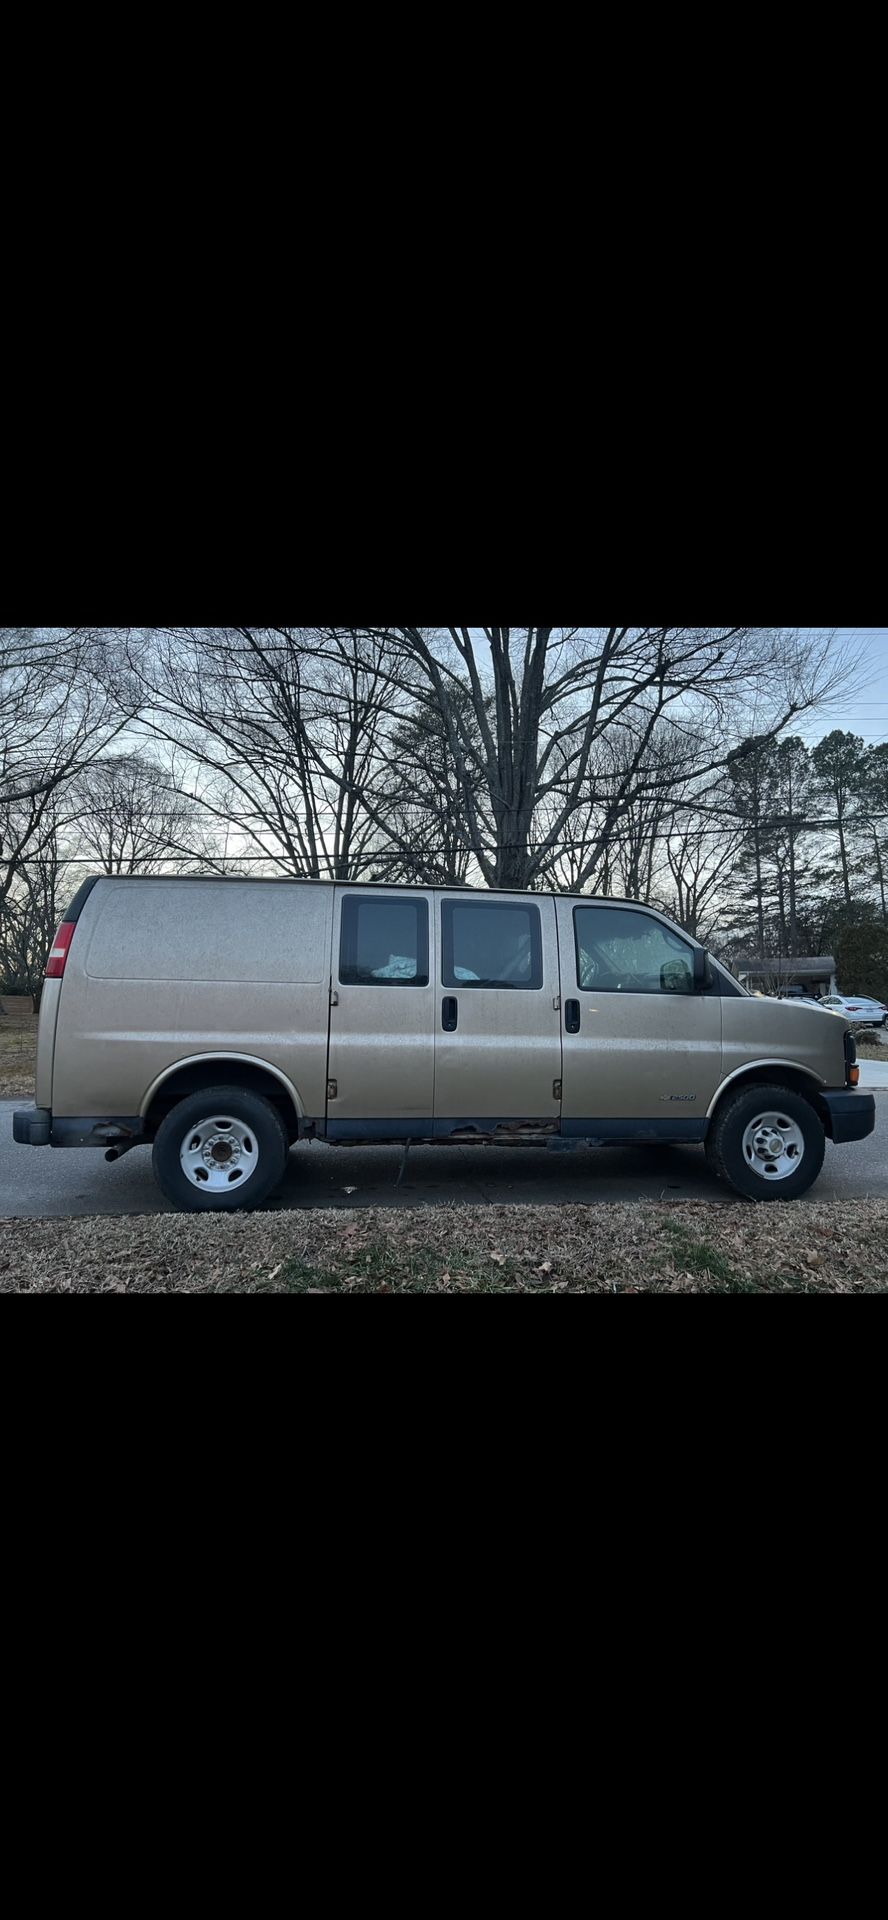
{"x":31,"y":1126}
{"x":38,"y":1127}
{"x":850,"y":1115}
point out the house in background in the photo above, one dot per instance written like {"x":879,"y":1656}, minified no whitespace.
{"x":814,"y":973}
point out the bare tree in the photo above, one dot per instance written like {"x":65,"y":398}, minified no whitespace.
{"x":282,"y":725}
{"x":59,"y":708}
{"x":32,"y":909}
{"x":701,"y":853}
{"x":838,"y":763}
{"x":419,"y":800}
{"x":874,"y":815}
{"x":132,"y":819}
{"x":543,"y":699}
{"x":529,"y":755}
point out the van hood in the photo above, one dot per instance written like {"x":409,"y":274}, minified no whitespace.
{"x":812,"y":1038}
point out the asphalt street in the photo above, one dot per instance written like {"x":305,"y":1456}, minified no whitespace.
{"x":57,"y":1184}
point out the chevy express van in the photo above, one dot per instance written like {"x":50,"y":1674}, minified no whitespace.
{"x":220,"y":1020}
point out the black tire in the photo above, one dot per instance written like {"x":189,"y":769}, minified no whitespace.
{"x":253,"y":1126}
{"x":725,"y":1142}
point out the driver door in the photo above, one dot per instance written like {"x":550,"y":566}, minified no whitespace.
{"x":641,"y":1048}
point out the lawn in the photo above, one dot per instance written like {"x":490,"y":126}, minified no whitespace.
{"x":687,"y":1247}
{"x":18,"y":1047}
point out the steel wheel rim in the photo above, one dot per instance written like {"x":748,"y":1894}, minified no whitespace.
{"x":773,"y":1146}
{"x":219,"y":1154}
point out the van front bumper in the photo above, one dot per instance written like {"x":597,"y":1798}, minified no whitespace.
{"x":850,"y":1115}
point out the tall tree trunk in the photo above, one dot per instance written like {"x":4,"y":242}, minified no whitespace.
{"x":759,"y":902}
{"x":793,"y":932}
{"x":781,"y":910}
{"x":844,"y":854}
{"x":880,"y":871}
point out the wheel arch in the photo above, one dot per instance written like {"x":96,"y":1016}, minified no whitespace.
{"x":765,"y":1073}
{"x":245,"y":1070}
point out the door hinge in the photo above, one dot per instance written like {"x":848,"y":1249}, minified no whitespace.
{"x":332,"y":1089}
{"x":557,"y":1003}
{"x":556,"y":1089}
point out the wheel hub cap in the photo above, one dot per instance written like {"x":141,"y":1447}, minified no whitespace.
{"x":773,"y":1146}
{"x":219,"y":1153}
{"x":769,"y":1145}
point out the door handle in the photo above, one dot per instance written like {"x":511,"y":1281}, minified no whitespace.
{"x":449,"y":1013}
{"x":572,"y":1016}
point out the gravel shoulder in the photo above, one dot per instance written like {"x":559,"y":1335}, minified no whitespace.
{"x":833,"y":1247}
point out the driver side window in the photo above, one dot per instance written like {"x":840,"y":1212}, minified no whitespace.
{"x":621,"y":951}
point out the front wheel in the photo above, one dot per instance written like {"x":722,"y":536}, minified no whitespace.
{"x":767,"y":1143}
{"x":219,"y":1150}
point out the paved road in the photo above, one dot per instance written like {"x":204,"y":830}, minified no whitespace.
{"x":57,"y":1184}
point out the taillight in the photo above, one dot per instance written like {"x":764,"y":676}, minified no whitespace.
{"x":58,"y":953}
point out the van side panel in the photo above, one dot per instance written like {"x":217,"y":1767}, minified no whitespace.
{"x":158,"y":972}
{"x":806,"y":1037}
{"x":46,"y":1033}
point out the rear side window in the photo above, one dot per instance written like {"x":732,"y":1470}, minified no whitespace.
{"x":623,"y":952}
{"x":384,"y":943}
{"x":255,"y":932}
{"x":490,"y":945}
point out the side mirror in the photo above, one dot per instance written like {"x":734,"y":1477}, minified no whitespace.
{"x":702,"y":970}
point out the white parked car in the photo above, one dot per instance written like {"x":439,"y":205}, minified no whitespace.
{"x":858,"y":1008}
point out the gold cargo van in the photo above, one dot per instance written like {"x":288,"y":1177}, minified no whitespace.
{"x":222,"y":1020}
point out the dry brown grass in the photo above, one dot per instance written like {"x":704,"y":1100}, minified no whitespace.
{"x":18,"y":1047}
{"x":837,"y":1246}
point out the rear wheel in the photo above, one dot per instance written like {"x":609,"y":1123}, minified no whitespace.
{"x":220,"y":1150}
{"x":767,"y":1143}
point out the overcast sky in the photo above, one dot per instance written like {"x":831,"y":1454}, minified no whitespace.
{"x":863,"y":708}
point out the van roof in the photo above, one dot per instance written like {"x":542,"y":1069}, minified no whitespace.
{"x":293,"y":879}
